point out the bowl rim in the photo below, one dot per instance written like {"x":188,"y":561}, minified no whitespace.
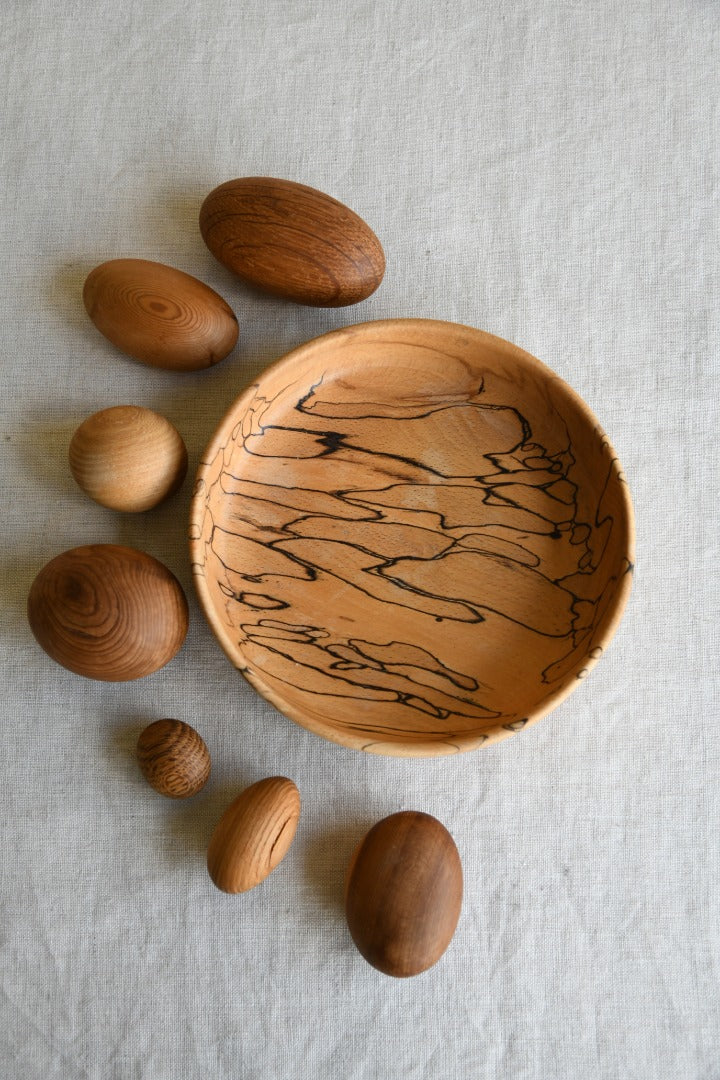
{"x":430,"y":747}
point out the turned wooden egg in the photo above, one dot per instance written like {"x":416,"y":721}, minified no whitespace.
{"x":403,"y":893}
{"x":173,"y":758}
{"x":160,"y":315}
{"x":128,"y":458}
{"x":411,"y":537}
{"x":254,"y":834}
{"x":292,"y":241}
{"x":108,"y":612}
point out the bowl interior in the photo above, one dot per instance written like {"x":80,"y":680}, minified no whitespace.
{"x":411,"y":537}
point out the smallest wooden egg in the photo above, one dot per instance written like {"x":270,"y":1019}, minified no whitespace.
{"x":128,"y":458}
{"x":173,"y":758}
{"x":403,"y":893}
{"x":254,"y":834}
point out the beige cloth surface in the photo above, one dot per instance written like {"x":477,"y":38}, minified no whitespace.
{"x":548,"y":172}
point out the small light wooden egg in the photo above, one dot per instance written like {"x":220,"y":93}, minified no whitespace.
{"x":173,"y":758}
{"x":292,"y":241}
{"x":403,"y":893}
{"x":254,"y":834}
{"x":128,"y":458}
{"x":108,"y":612}
{"x":160,"y":315}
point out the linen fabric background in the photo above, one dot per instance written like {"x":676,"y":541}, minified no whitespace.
{"x":545,"y":171}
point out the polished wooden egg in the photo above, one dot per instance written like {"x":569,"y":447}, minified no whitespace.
{"x":108,"y":612}
{"x":128,"y":458}
{"x":173,"y":758}
{"x":404,"y":893}
{"x":254,"y":834}
{"x":292,"y":241}
{"x":159,"y":315}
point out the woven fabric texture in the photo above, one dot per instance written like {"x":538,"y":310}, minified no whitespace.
{"x":547,"y":172}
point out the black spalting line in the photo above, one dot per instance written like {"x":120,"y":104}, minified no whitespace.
{"x":408,"y":411}
{"x":248,"y":672}
{"x":372,"y":515}
{"x":332,"y":441}
{"x":289,"y":531}
{"x":516,"y":725}
{"x":454,"y":677}
{"x":414,"y":700}
{"x":313,"y":571}
{"x":362,"y":497}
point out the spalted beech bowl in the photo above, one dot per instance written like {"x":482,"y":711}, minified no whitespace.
{"x":412,"y":537}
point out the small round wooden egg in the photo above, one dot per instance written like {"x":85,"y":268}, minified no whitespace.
{"x":108,"y":612}
{"x":403,"y":893}
{"x":159,"y":315}
{"x":128,"y":458}
{"x":254,"y":834}
{"x":173,"y":758}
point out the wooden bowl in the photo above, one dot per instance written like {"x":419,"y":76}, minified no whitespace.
{"x":412,"y":537}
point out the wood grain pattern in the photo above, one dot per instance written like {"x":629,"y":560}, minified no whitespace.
{"x":292,"y":241}
{"x":412,"y":537}
{"x":160,"y":315}
{"x":403,"y":893}
{"x":128,"y":458}
{"x":254,"y":834}
{"x":173,"y":758}
{"x":108,"y":612}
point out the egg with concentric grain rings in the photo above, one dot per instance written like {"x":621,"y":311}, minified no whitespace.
{"x":159,"y":315}
{"x":108,"y":612}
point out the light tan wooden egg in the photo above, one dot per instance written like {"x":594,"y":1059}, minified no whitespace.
{"x":128,"y":458}
{"x":254,"y":834}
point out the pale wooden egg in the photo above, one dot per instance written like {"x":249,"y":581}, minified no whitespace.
{"x":128,"y":458}
{"x":108,"y":612}
{"x":160,"y":315}
{"x":254,"y":834}
{"x":173,"y":758}
{"x":403,"y":893}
